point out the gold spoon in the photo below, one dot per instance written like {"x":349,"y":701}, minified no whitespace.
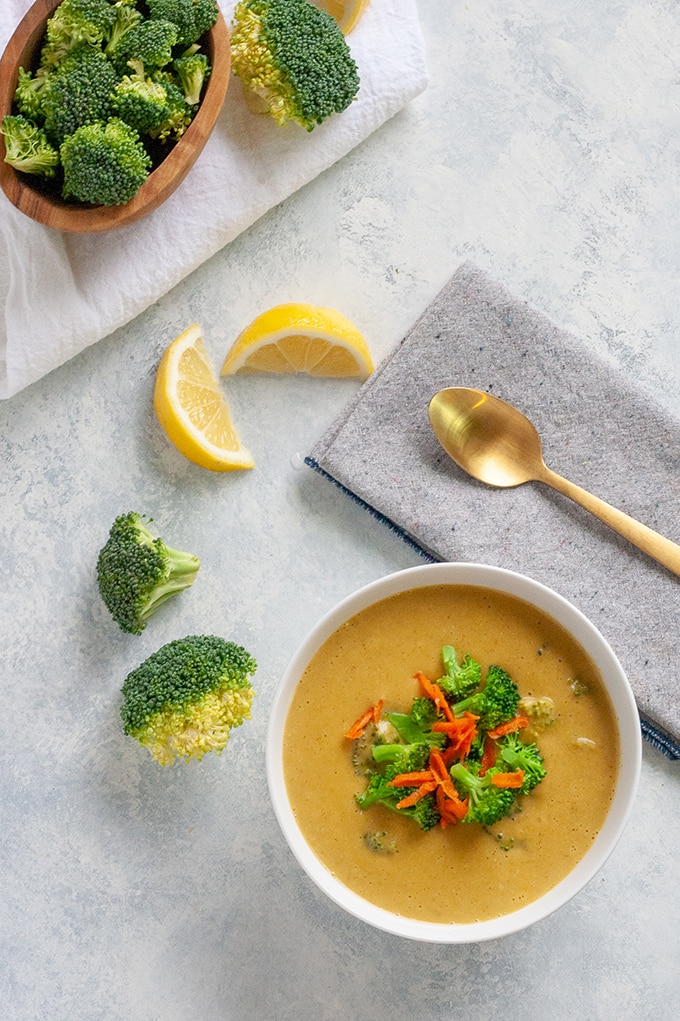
{"x":496,"y":444}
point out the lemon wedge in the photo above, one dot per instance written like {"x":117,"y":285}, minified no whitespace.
{"x":347,"y":13}
{"x":300,"y":338}
{"x":191,"y":408}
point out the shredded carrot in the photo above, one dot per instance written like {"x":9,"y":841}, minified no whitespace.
{"x":434,"y":692}
{"x":411,"y":779}
{"x":508,"y":780}
{"x":438,"y":767}
{"x":489,"y":755}
{"x":450,"y":812}
{"x":516,"y":723}
{"x":461,"y":732}
{"x":371,"y":715}
{"x":415,"y":797}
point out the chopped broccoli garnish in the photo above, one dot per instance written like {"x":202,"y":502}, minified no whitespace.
{"x":186,"y":698}
{"x":193,"y":71}
{"x":295,"y":58}
{"x":79,"y":92}
{"x":459,"y":681}
{"x":539,"y":710}
{"x":416,"y":727}
{"x":104,"y":164}
{"x":193,"y":18}
{"x":495,"y":703}
{"x":487,"y":804}
{"x":378,"y":841}
{"x":379,"y":792}
{"x":27,"y":147}
{"x":525,"y":757}
{"x":137,"y":572}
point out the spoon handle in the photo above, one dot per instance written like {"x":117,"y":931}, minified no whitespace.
{"x":657,"y":546}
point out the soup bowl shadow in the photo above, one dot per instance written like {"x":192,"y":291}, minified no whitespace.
{"x":614,"y":680}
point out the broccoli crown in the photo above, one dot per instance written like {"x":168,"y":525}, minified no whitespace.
{"x":192,"y":17}
{"x":30,"y":93}
{"x":27,"y":147}
{"x":141,"y":102}
{"x":193,"y":71}
{"x":180,"y":113}
{"x":295,"y":57}
{"x":137,"y":573}
{"x":378,"y":791}
{"x":495,"y":703}
{"x":526,"y":757}
{"x":459,"y":681}
{"x":127,"y":16}
{"x":487,"y":804}
{"x":150,"y":42}
{"x":79,"y":92}
{"x":75,"y":22}
{"x":186,"y":698}
{"x":104,"y":164}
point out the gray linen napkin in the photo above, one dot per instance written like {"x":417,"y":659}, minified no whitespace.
{"x":598,"y":430}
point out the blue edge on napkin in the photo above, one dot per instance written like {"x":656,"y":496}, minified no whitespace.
{"x":382,"y":453}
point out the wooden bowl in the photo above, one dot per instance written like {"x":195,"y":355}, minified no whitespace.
{"x":79,"y":218}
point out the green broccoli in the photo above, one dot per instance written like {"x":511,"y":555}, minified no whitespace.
{"x":180,"y":116}
{"x":150,"y":42}
{"x":79,"y":92}
{"x":487,"y":804}
{"x":495,"y":703}
{"x":193,"y":71}
{"x":27,"y":148}
{"x":295,"y":58}
{"x":73,"y":23}
{"x":459,"y":681}
{"x":539,"y":710}
{"x":127,"y":16}
{"x":192,"y":17}
{"x":141,"y":102}
{"x":525,"y":757}
{"x":31,"y":92}
{"x":379,"y":792}
{"x":104,"y":164}
{"x":137,"y":572}
{"x":186,"y":698}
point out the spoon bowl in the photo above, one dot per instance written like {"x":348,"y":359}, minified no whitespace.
{"x":493,"y":442}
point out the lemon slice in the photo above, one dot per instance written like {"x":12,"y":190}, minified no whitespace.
{"x":191,"y":408}
{"x":346,"y":12}
{"x":300,"y":338}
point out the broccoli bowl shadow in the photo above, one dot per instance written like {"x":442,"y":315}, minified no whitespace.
{"x":168,"y":171}
{"x":298,"y":829}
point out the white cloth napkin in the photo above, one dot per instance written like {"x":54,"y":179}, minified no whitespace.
{"x":63,"y":292}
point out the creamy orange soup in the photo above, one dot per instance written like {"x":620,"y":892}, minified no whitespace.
{"x":463,"y":873}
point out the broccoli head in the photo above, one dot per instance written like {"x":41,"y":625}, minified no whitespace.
{"x":137,"y":572}
{"x":73,"y":23}
{"x":495,"y":703}
{"x":379,"y":792}
{"x":179,"y":115}
{"x":186,"y":698}
{"x":79,"y":92}
{"x":149,"y":42}
{"x":525,"y":757}
{"x":295,"y":58}
{"x":192,"y":17}
{"x":193,"y":71}
{"x":30,"y":93}
{"x":141,"y":102}
{"x":27,"y":148}
{"x":460,"y":680}
{"x":104,"y":164}
{"x":487,"y":804}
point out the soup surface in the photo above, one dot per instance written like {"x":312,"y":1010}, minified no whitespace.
{"x":463,"y":873}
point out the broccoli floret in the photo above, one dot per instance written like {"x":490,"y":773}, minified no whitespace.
{"x":31,"y":92}
{"x":193,"y":71}
{"x":127,"y":16}
{"x":141,"y":102}
{"x":495,"y":703}
{"x":295,"y":58}
{"x":180,"y":115}
{"x":379,"y":792}
{"x":487,"y":804}
{"x":186,"y":698}
{"x":79,"y":92}
{"x":525,"y":757}
{"x":416,"y":727}
{"x":27,"y":147}
{"x":104,"y":164}
{"x":192,"y":17}
{"x":137,"y":572}
{"x":149,"y":42}
{"x":75,"y":22}
{"x":459,"y":681}
{"x":540,"y":711}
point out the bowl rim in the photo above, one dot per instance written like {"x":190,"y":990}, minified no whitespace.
{"x":622,"y":698}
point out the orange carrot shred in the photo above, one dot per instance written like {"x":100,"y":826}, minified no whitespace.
{"x":434,"y":692}
{"x":516,"y":723}
{"x":371,"y":715}
{"x":415,"y":797}
{"x":508,"y":780}
{"x":489,"y":755}
{"x":412,"y":779}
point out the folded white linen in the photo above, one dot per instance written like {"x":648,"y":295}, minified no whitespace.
{"x":63,"y":292}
